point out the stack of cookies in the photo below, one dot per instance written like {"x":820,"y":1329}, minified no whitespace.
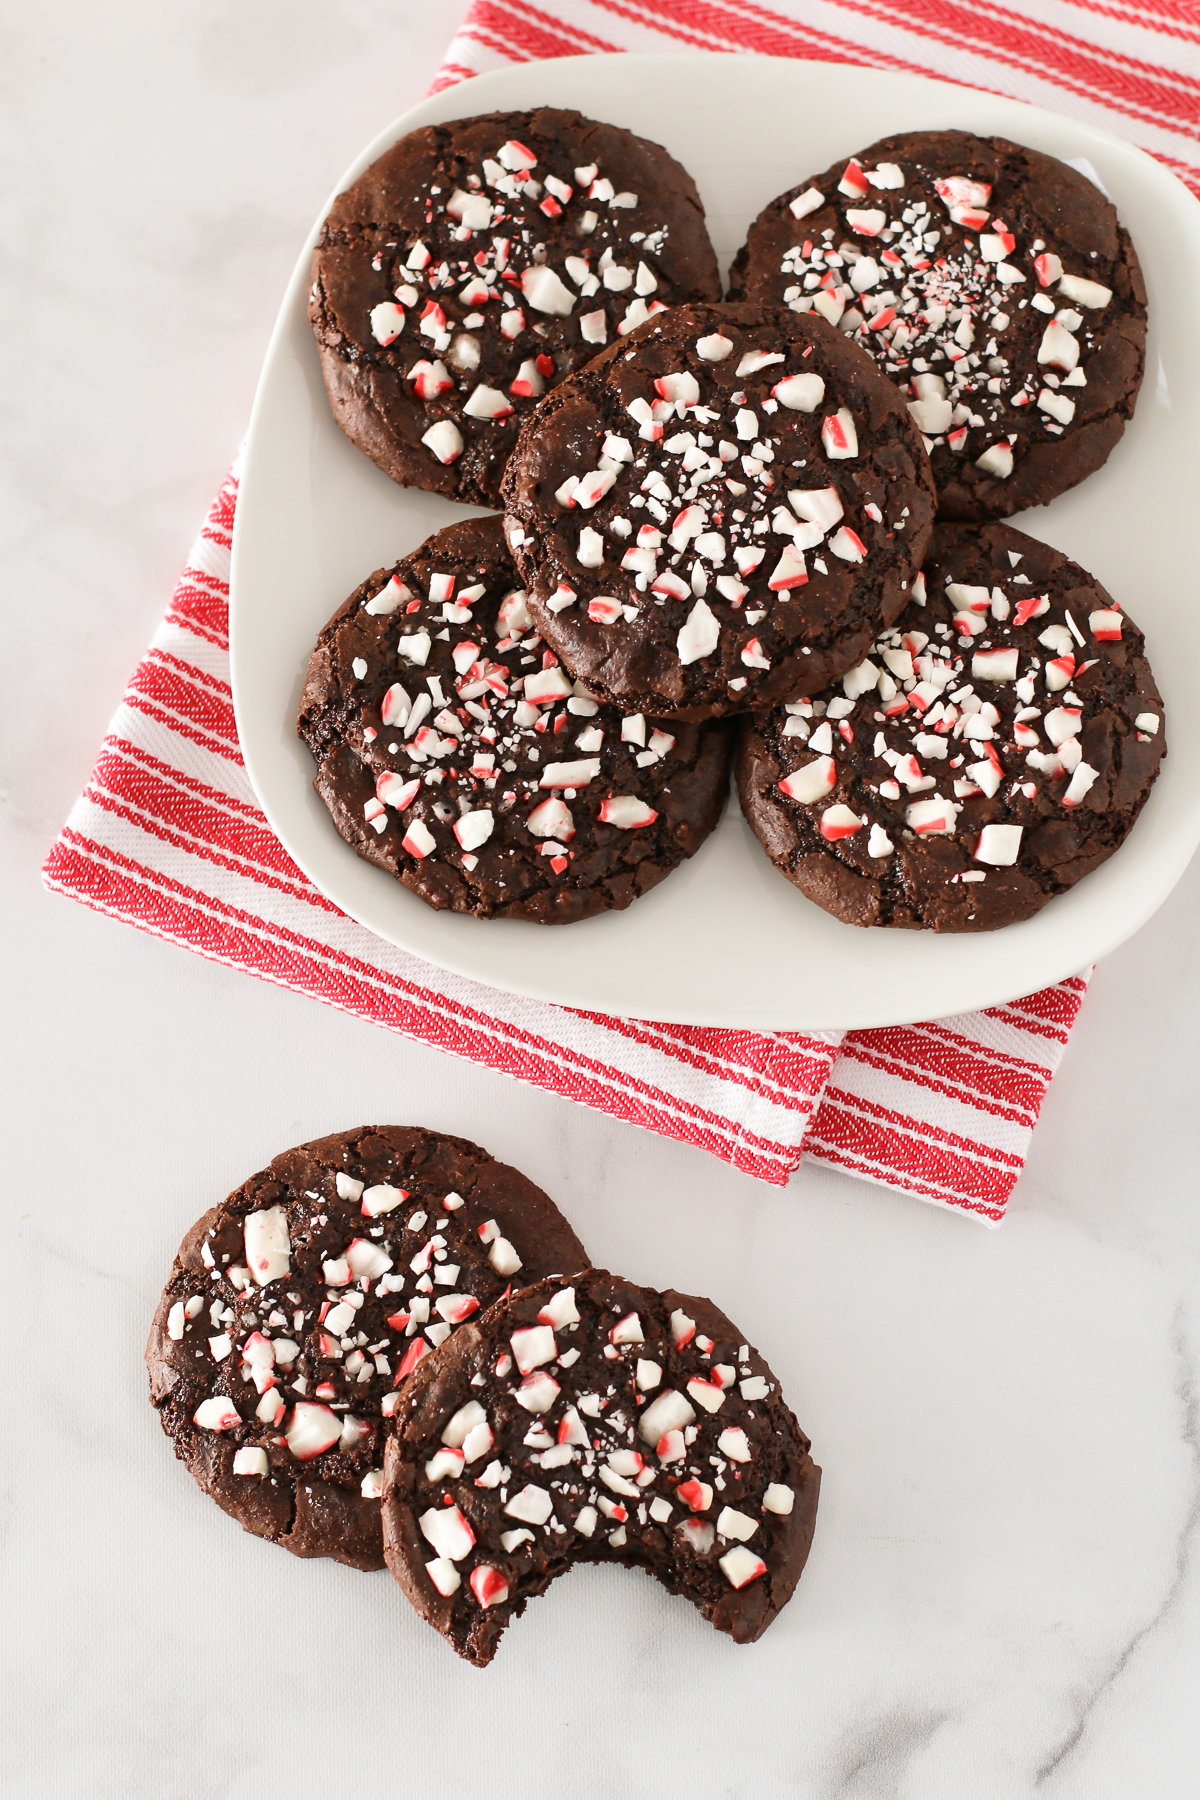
{"x":763,"y":529}
{"x":388,"y":1347}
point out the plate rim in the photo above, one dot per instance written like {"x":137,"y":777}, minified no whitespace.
{"x":984,"y":993}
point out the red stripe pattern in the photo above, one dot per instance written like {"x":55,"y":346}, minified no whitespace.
{"x":1131,"y":70}
{"x":168,"y":835}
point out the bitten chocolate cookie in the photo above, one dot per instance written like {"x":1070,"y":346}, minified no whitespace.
{"x":298,"y":1307}
{"x":477,"y":263}
{"x":994,"y":748}
{"x":600,"y":1422}
{"x":993,"y":283}
{"x":455,"y":752}
{"x":719,"y":514}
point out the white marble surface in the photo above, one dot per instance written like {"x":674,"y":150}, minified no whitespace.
{"x":1003,"y":1597}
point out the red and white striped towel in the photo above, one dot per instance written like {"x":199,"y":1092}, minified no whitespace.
{"x":168,"y":835}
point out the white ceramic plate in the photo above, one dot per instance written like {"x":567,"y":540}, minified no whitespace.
{"x":726,"y":940}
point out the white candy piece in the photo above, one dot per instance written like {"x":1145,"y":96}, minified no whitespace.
{"x":415,"y":649}
{"x":533,"y":1346}
{"x":800,"y":393}
{"x":444,"y":1576}
{"x":838,"y":434}
{"x":626,"y":812}
{"x":932,"y":416}
{"x":251,"y":1460}
{"x":778,"y":1498}
{"x":1079,"y":784}
{"x":532,"y":1504}
{"x":474,"y":829}
{"x":387,"y":322}
{"x":811,"y":782}
{"x":740,"y":1566}
{"x":503,"y":1257}
{"x":311,"y":1429}
{"x":176,"y":1318}
{"x":371,"y":1485}
{"x":487,"y":403}
{"x":699,"y":634}
{"x":1084,"y":292}
{"x":567,"y":775}
{"x":560,"y":1310}
{"x":1058,"y":348}
{"x":734,"y":1524}
{"x":713,"y":349}
{"x":462,"y":1423}
{"x":810,"y":201}
{"x":268,"y":1248}
{"x":216,"y":1414}
{"x":996,"y":460}
{"x":546,"y":292}
{"x":382,"y":1199}
{"x":448,"y":1531}
{"x":994,"y":665}
{"x":669,"y":1412}
{"x":444,"y":440}
{"x":999,"y":845}
{"x":819,"y":506}
{"x":647,"y":1374}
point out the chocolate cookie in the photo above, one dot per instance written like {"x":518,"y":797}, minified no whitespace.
{"x":477,"y":263}
{"x":995,"y":747}
{"x":455,"y":752}
{"x":298,"y":1307}
{"x":993,"y":283}
{"x":600,"y":1422}
{"x":720,"y":513}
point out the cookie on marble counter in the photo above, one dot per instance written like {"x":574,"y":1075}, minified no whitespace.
{"x":455,"y":752}
{"x":719,"y":514}
{"x":596,"y":1422}
{"x":996,"y":746}
{"x":993,"y":283}
{"x":298,"y":1307}
{"x":477,"y":263}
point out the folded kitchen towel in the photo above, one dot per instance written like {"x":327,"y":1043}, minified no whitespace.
{"x":168,"y":835}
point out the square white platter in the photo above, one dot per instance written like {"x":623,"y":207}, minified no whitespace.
{"x":726,"y":941}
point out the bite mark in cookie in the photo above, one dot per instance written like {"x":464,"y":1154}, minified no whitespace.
{"x":596,"y":1422}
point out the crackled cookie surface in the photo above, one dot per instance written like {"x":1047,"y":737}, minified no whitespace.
{"x":477,"y":263}
{"x":298,"y":1307}
{"x":995,"y":747}
{"x":720,"y":513}
{"x":596,"y":1422}
{"x":455,"y":752}
{"x":993,"y":283}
